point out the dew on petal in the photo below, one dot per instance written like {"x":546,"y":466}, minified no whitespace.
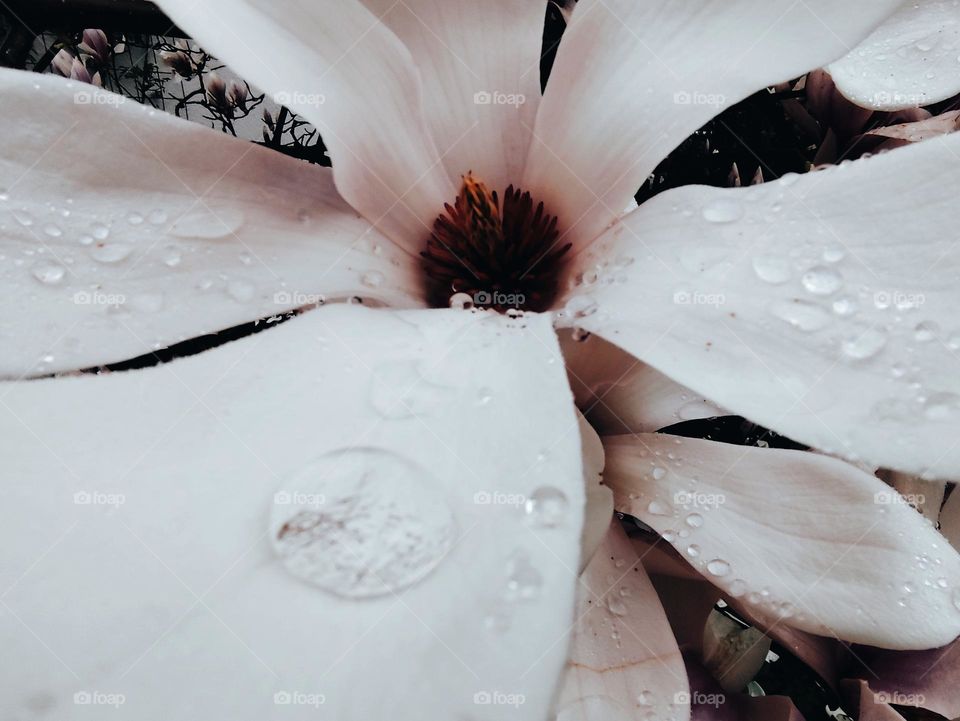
{"x":48,"y":272}
{"x":718,"y":567}
{"x":546,"y":507}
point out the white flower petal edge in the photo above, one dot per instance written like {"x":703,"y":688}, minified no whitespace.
{"x":821,"y":306}
{"x":342,"y":69}
{"x":624,"y":660}
{"x":621,"y":394}
{"x":136,"y":549}
{"x":950,"y":519}
{"x":633,"y":80}
{"x":909,"y":61}
{"x":799,"y":537}
{"x":480,"y":66}
{"x":599,"y":498}
{"x":126,"y":230}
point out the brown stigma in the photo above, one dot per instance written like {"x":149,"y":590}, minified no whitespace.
{"x":501,"y":257}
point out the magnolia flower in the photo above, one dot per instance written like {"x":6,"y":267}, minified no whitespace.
{"x":96,"y":45}
{"x":383,"y":507}
{"x":65,"y":64}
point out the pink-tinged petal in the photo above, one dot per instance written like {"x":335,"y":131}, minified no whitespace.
{"x":866,"y":704}
{"x":950,"y":518}
{"x":126,"y":230}
{"x":915,"y":131}
{"x":146,"y":514}
{"x":620,"y":394}
{"x":634,"y":79}
{"x":908,"y":61}
{"x":709,"y":702}
{"x":925,"y":679}
{"x":781,"y":303}
{"x":480,"y":66}
{"x":623,"y":659}
{"x":795,"y":536}
{"x":343,"y":70}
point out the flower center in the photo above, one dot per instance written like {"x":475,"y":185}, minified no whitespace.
{"x":485,"y":254}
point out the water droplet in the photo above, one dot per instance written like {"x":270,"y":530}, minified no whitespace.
{"x":821,"y":280}
{"x":802,"y":315}
{"x":644,"y":698}
{"x":134,"y":218}
{"x":845,"y":305}
{"x":23,"y":217}
{"x":48,"y":272}
{"x":864,"y":345}
{"x":737,"y":588}
{"x":658,"y":508}
{"x":694,"y":520}
{"x":207,"y":225}
{"x":723,"y":210}
{"x":926,"y":331}
{"x":241,"y":290}
{"x":718,"y":567}
{"x":484,"y":396}
{"x":171,"y":256}
{"x":772,"y":269}
{"x":372,"y":279}
{"x":693,"y":550}
{"x":658,"y":472}
{"x":111,"y":252}
{"x":524,"y":581}
{"x":546,"y":507}
{"x":361,"y":522}
{"x":157,"y":217}
{"x":580,"y":306}
{"x":834,"y":254}
{"x":52,"y":230}
{"x":100,"y":231}
{"x":461,"y":301}
{"x":85,"y":239}
{"x":399,"y":390}
{"x":616,"y":606}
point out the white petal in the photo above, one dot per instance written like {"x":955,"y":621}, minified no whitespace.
{"x":795,"y":536}
{"x":950,"y":519}
{"x":909,"y":61}
{"x":621,"y":394}
{"x":599,"y":498}
{"x":338,"y":66}
{"x":624,"y":660}
{"x":171,"y":592}
{"x":634,"y":79}
{"x":126,"y":230}
{"x":782,"y":303}
{"x":480,"y":66}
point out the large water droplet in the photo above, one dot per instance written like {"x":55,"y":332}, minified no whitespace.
{"x":822,"y":280}
{"x":111,"y":252}
{"x":658,"y":508}
{"x":400,"y":390}
{"x":52,"y":230}
{"x":864,"y":345}
{"x":546,"y":507}
{"x":524,"y":581}
{"x":694,"y":520}
{"x":100,"y":231}
{"x":718,"y":567}
{"x":372,"y":279}
{"x":772,"y":269}
{"x":723,"y":210}
{"x":48,"y":272}
{"x":361,"y":522}
{"x":802,"y":315}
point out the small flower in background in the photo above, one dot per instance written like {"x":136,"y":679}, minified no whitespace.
{"x":96,"y":45}
{"x":180,"y":60}
{"x":65,"y":64}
